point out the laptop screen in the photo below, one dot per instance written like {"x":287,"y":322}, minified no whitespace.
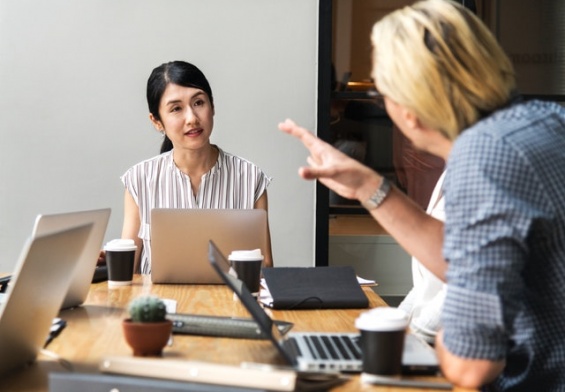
{"x":82,"y":276}
{"x":179,"y":241}
{"x":220,"y":263}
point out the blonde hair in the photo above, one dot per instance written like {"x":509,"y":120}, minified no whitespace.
{"x":440,"y":61}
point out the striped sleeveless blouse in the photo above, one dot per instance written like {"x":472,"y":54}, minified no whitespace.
{"x":233,"y":183}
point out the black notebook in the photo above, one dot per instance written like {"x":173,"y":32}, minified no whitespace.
{"x":314,"y":288}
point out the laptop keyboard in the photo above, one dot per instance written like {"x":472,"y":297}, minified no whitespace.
{"x":244,"y":328}
{"x":328,"y":346}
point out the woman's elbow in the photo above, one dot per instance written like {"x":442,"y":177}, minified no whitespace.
{"x":471,"y":374}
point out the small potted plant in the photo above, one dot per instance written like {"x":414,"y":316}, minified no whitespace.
{"x":147,"y":330}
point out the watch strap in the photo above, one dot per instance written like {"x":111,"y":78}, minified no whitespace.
{"x":378,"y":197}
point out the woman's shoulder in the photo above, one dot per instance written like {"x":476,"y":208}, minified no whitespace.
{"x":230,"y":158}
{"x":230,"y":164}
{"x":152,"y":162}
{"x":141,"y":171}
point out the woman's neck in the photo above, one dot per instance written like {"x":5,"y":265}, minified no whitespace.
{"x":195,"y":163}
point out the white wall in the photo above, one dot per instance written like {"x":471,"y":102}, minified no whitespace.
{"x":73,"y":115}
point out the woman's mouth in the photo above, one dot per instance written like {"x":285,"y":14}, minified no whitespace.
{"x":194,"y":132}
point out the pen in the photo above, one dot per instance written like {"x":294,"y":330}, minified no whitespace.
{"x":56,"y":328}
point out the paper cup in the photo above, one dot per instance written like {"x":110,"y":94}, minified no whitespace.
{"x":120,"y":256}
{"x":382,"y":342}
{"x":247,"y":267}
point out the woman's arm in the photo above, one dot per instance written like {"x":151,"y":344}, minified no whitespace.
{"x":466,"y":372}
{"x":263,"y":204}
{"x":418,"y":233}
{"x":130,"y":229}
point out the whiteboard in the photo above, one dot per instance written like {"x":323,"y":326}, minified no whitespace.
{"x":73,"y":114}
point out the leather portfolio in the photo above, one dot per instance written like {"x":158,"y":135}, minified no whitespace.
{"x":314,"y":288}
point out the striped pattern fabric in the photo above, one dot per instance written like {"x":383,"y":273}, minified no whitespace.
{"x":233,"y":183}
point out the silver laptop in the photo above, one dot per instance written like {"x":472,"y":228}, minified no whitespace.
{"x":317,"y":351}
{"x":39,"y":283}
{"x":179,"y":241}
{"x":86,"y":263}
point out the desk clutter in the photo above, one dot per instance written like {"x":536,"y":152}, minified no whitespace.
{"x":197,"y":352}
{"x":93,"y":335}
{"x":318,"y":351}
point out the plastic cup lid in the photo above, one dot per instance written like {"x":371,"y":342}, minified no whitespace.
{"x":120,"y":245}
{"x":382,"y":319}
{"x":254,"y":254}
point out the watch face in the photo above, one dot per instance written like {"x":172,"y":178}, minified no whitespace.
{"x":378,"y":197}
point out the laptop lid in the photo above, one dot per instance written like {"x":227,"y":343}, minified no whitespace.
{"x":221,"y":266}
{"x":39,"y":283}
{"x":417,"y":355}
{"x":179,"y":241}
{"x":86,"y":264}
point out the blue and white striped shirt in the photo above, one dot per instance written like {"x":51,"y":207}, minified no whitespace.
{"x":233,"y":183}
{"x":505,"y":243}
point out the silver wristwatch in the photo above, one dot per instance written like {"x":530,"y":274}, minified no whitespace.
{"x":378,"y":197}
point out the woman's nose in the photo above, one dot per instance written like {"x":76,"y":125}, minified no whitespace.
{"x":191,"y":117}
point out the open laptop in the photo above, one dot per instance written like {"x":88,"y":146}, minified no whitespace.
{"x":39,"y":283}
{"x":179,"y":241}
{"x":317,"y":351}
{"x":86,"y":263}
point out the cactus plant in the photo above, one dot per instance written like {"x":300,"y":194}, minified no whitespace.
{"x":147,"y":331}
{"x":149,"y":309}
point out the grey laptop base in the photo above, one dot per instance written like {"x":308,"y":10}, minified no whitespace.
{"x":314,"y":351}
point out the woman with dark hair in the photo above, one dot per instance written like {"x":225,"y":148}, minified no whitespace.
{"x":190,"y":172}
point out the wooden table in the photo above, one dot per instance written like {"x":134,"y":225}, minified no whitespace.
{"x":94,"y":331}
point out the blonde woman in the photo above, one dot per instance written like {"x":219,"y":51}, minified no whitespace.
{"x":450,"y":88}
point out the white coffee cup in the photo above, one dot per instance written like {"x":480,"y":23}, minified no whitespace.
{"x":382,"y":342}
{"x":246,"y":264}
{"x":120,"y":257}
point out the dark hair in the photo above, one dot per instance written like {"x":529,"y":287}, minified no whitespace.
{"x":176,"y":72}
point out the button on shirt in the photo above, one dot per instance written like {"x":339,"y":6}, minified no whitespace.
{"x":505,"y":243}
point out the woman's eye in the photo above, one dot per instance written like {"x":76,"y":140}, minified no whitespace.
{"x":175,"y":109}
{"x":199,"y":102}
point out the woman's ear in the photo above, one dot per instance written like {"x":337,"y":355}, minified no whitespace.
{"x":410,"y":119}
{"x":156,"y":123}
{"x":414,"y":122}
